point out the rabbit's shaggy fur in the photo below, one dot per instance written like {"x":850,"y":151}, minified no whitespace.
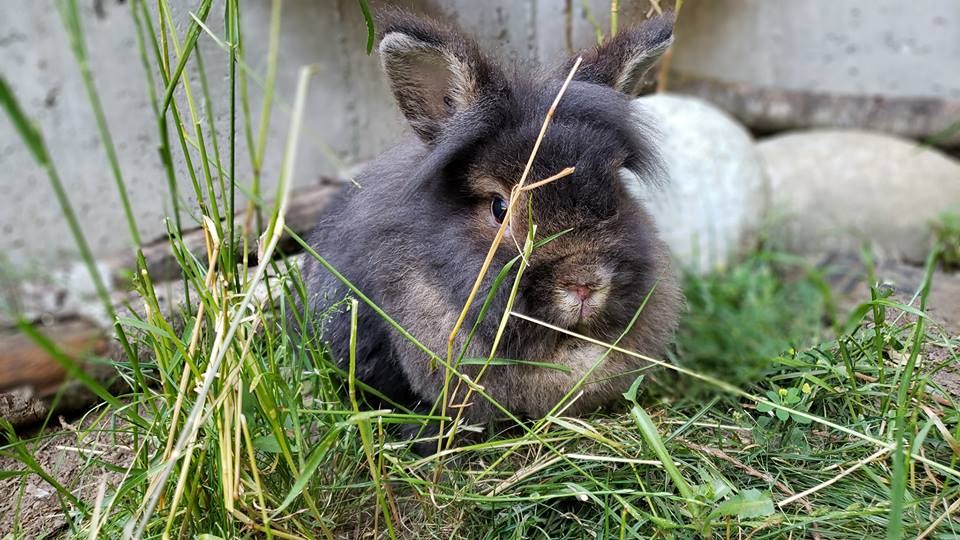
{"x":414,"y":237}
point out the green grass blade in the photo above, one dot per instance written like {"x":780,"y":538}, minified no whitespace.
{"x":317,"y":455}
{"x":33,"y":139}
{"x":24,"y":456}
{"x":898,"y":486}
{"x":190,"y":43}
{"x":70,"y":15}
{"x":652,"y":437}
{"x":368,"y":19}
{"x":76,"y":372}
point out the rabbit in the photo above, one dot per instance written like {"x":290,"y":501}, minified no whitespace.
{"x":414,"y":235}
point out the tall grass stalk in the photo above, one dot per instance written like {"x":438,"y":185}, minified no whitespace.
{"x":363,"y":423}
{"x":191,"y":41}
{"x":900,"y":462}
{"x":233,"y":34}
{"x":495,"y":245}
{"x":70,"y":16}
{"x":257,"y":151}
{"x":271,"y":237}
{"x":33,"y":140}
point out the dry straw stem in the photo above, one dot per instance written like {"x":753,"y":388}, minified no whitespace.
{"x":213,"y":252}
{"x":872,"y":457}
{"x":527,"y":249}
{"x":95,"y":522}
{"x":953,"y":508}
{"x":514,"y":197}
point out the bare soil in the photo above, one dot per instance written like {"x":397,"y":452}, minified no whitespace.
{"x":75,"y":457}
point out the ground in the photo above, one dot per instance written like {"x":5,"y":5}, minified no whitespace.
{"x":29,"y":506}
{"x":64,"y":452}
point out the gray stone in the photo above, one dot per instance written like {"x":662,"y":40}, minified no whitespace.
{"x":712,"y":206}
{"x":832,"y":189}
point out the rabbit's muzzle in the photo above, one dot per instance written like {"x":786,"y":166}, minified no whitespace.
{"x":578,"y":288}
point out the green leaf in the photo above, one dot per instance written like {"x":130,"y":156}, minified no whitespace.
{"x":748,"y":504}
{"x":652,"y":437}
{"x":267,"y":443}
{"x":782,"y":415}
{"x":309,"y":468}
{"x":800,"y":419}
{"x":12,"y":474}
{"x":764,"y":407}
{"x":631,"y":394}
{"x":662,"y":523}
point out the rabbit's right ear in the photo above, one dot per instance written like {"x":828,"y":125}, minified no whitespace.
{"x":433,"y":72}
{"x":623,"y":61}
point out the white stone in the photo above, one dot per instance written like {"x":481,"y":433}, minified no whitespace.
{"x":833,"y":189}
{"x":713,"y":204}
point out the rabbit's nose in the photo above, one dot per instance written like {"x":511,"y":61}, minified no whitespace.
{"x":582,"y":292}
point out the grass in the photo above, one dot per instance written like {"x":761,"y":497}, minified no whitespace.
{"x":946,"y":234}
{"x":763,"y":423}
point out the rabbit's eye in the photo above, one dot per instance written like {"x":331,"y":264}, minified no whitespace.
{"x":499,"y":209}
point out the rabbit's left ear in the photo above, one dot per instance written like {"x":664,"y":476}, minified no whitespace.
{"x":622,"y":62}
{"x":433,"y":71}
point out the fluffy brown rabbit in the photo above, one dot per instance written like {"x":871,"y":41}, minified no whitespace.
{"x":415,"y":235}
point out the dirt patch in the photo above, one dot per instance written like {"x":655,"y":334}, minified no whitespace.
{"x":949,"y":377}
{"x":30,"y":507}
{"x":848,"y":279}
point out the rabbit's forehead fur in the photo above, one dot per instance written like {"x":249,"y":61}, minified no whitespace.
{"x":484,"y":150}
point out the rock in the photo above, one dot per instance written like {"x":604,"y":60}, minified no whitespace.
{"x":712,"y":206}
{"x":832,"y":189}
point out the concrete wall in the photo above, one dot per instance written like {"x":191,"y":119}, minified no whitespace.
{"x":886,"y":48}
{"x":350,"y":113}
